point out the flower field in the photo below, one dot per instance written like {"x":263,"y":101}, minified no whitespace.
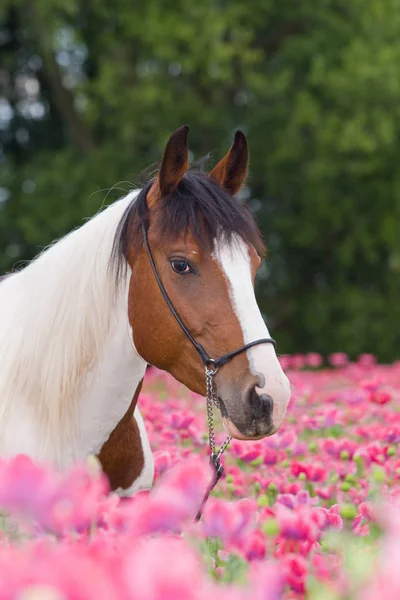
{"x":313,"y":511}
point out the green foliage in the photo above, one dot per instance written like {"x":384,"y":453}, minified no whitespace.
{"x":314,"y":85}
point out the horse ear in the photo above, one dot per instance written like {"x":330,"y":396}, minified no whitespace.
{"x":174,"y":165}
{"x":231,"y":171}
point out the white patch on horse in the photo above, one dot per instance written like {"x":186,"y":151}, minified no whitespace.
{"x":145,"y":479}
{"x":68,"y":367}
{"x":109,"y":388}
{"x":234,"y":260}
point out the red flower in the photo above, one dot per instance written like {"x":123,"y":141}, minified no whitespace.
{"x":380,"y":397}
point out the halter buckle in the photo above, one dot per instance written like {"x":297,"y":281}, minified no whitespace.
{"x":211,"y":369}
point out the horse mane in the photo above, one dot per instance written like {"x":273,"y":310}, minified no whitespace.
{"x":56,"y":313}
{"x":199,"y":206}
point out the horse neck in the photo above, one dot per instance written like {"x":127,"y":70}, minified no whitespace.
{"x":57,"y":319}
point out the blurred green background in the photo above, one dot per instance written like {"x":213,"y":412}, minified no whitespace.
{"x":91,"y":89}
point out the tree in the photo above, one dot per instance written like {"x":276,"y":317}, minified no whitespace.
{"x":91,"y":90}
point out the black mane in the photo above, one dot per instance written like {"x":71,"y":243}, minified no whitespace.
{"x":198,"y":206}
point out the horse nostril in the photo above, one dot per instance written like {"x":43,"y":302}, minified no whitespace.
{"x":261,"y":405}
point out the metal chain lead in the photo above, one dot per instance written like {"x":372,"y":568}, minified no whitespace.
{"x":212,"y":400}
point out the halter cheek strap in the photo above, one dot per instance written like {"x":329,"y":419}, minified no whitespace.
{"x":211,"y":367}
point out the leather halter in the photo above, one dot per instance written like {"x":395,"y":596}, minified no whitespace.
{"x":215,"y":363}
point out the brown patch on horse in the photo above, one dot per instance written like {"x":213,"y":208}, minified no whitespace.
{"x":174,"y":165}
{"x":121,"y":456}
{"x":231,"y":172}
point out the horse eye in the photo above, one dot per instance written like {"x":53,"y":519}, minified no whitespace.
{"x":181,"y":266}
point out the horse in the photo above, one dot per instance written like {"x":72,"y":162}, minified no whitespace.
{"x":80,"y":323}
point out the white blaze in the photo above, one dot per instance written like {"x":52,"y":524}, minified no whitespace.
{"x":234,"y":260}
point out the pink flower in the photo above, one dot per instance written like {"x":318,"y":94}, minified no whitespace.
{"x":174,"y":501}
{"x":335,"y":521}
{"x":162,"y":569}
{"x":76,"y":541}
{"x":288,"y":500}
{"x":254,"y":547}
{"x":56,"y":502}
{"x":191,"y":477}
{"x":25,"y":486}
{"x":367,"y":511}
{"x":285,"y":439}
{"x":300,"y":524}
{"x":285,"y":361}
{"x":338,"y":359}
{"x":314,"y":472}
{"x":327,"y":568}
{"x":70,"y":570}
{"x":372,"y":384}
{"x":270,"y":456}
{"x":298,"y":361}
{"x":266,"y":581}
{"x":325,"y":492}
{"x":313,"y":359}
{"x":294,"y":570}
{"x":247,"y":451}
{"x":226,"y":520}
{"x":181,"y":419}
{"x":149,"y":515}
{"x":163,"y":461}
{"x":366,"y":360}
